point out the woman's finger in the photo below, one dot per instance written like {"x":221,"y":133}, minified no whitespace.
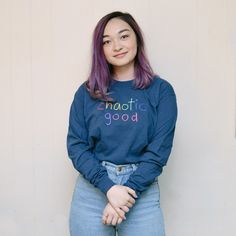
{"x":120,"y":213}
{"x":109,"y":219}
{"x":119,"y":220}
{"x":132,"y":192}
{"x":129,"y":204}
{"x":125,"y":209}
{"x":104,"y":218}
{"x":114,"y":220}
{"x":131,"y":200}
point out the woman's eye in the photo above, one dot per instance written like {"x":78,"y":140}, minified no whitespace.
{"x":125,"y":36}
{"x":105,"y":42}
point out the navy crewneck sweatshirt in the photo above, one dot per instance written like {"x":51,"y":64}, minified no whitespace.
{"x":137,"y":128}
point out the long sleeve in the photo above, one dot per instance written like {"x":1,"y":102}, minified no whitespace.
{"x":157,"y":152}
{"x":79,"y":150}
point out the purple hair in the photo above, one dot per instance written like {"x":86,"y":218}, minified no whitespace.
{"x":99,"y":79}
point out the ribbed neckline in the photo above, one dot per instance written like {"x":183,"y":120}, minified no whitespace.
{"x":122,"y":82}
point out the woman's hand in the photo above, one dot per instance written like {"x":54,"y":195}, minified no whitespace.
{"x":121,"y":198}
{"x":110,"y":216}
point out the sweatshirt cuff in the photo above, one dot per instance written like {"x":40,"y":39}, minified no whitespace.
{"x":105,"y":185}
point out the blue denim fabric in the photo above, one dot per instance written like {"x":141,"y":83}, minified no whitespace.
{"x":145,"y":218}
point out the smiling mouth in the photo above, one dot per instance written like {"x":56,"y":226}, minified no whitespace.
{"x":120,"y":55}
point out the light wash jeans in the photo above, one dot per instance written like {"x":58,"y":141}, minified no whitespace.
{"x":145,"y":218}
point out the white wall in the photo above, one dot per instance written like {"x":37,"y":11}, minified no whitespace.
{"x":45,"y":49}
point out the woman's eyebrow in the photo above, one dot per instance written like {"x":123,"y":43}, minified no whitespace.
{"x":121,"y":31}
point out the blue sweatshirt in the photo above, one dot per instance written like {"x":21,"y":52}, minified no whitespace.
{"x":137,"y":128}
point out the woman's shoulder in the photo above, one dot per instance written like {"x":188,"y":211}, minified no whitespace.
{"x":81,"y":89}
{"x":79,"y":92}
{"x":161,"y":85}
{"x":158,"y":89}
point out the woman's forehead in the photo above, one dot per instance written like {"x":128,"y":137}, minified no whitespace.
{"x":116,"y":26}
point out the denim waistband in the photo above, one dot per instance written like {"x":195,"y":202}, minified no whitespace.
{"x":120,"y":168}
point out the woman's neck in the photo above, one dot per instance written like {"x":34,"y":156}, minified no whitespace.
{"x":123,"y":73}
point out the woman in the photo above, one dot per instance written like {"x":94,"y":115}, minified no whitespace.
{"x":121,"y":129}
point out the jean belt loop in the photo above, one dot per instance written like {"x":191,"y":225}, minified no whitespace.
{"x":104,"y":163}
{"x":133,"y":166}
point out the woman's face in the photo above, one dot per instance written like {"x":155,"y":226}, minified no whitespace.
{"x":119,"y":38}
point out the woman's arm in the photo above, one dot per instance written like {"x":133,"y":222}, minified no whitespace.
{"x":157,"y":152}
{"x":79,"y":150}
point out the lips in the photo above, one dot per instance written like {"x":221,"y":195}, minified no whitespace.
{"x":120,"y":54}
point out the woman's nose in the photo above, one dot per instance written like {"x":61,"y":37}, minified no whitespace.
{"x":117,"y":46}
